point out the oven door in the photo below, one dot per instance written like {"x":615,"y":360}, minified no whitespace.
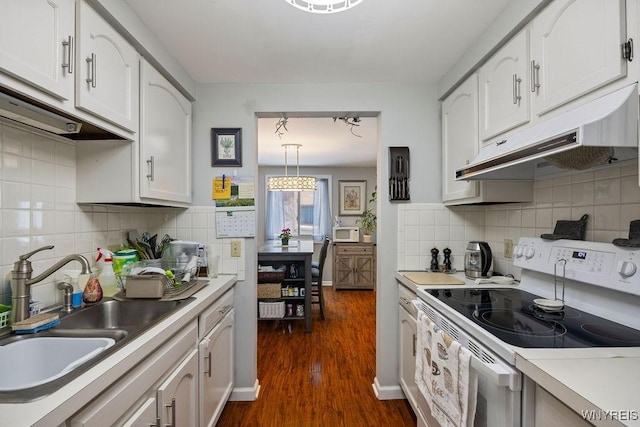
{"x":499,"y":384}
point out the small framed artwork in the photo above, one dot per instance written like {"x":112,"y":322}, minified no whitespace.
{"x":352,"y":197}
{"x":226,"y":147}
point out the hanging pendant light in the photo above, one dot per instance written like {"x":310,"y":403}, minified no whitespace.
{"x":291,"y":183}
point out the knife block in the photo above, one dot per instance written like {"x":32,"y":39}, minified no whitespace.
{"x":399,"y":163}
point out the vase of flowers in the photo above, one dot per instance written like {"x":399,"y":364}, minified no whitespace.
{"x":285,"y":235}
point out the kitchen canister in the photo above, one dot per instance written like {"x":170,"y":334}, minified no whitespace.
{"x":120,"y":259}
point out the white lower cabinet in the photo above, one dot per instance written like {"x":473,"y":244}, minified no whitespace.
{"x":145,"y":416}
{"x":549,"y":411}
{"x":408,"y":327}
{"x":178,"y":395}
{"x":216,"y":370}
{"x":170,"y":372}
{"x":185,"y":382}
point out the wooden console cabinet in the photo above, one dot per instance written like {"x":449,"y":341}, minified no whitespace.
{"x":354,"y":265}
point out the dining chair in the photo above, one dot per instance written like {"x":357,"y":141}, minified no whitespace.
{"x":317,"y":268}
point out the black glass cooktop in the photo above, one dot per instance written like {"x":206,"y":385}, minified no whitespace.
{"x":511,"y":315}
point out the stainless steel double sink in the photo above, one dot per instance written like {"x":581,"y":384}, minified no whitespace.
{"x":35,"y":365}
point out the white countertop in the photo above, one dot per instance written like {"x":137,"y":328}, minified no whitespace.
{"x":588,"y":379}
{"x":468,"y":283}
{"x":66,"y":401}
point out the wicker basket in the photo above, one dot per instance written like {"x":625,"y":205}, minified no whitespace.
{"x":271,"y":310}
{"x":270,"y":276}
{"x":269,"y":290}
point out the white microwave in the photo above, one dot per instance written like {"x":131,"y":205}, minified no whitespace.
{"x":346,"y":234}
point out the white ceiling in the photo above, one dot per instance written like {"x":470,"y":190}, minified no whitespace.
{"x":270,"y":41}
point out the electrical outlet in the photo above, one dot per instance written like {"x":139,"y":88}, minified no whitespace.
{"x":236,"y":248}
{"x":508,"y":248}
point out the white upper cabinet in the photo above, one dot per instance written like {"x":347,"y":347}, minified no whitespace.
{"x":36,"y":44}
{"x":504,"y":98}
{"x":165,"y":139}
{"x":576,"y":48}
{"x":460,"y":144}
{"x":108,"y":71}
{"x":459,"y":138}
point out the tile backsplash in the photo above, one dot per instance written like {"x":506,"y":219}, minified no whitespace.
{"x":610,"y":196}
{"x":37,"y":208}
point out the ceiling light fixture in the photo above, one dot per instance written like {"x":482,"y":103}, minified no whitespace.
{"x":291,"y":183}
{"x":324,"y":6}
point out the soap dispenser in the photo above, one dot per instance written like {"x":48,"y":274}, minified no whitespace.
{"x":92,"y":291}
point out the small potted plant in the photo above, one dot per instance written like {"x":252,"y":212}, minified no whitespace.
{"x":368,"y":220}
{"x":285,"y":235}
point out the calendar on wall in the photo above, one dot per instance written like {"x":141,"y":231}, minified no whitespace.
{"x":237,"y":221}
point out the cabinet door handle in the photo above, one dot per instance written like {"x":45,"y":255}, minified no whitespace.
{"x":414,"y":345}
{"x":225,"y":309}
{"x":151,"y":174}
{"x":68,"y":46}
{"x":173,"y":412}
{"x":91,"y":62}
{"x":208,"y":371}
{"x":535,"y":76}
{"x":627,"y":50}
{"x":516,"y":89}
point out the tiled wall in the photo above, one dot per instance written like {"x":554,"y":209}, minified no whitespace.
{"x":610,"y":196}
{"x":37,"y":208}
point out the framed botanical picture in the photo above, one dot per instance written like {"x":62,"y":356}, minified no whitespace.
{"x":352,"y":197}
{"x":226,"y":147}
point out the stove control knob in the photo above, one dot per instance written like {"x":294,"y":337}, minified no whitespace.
{"x":519,"y":251}
{"x":626,"y":268}
{"x":529,"y":253}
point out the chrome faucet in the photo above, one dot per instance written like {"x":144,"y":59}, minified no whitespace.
{"x":21,"y":280}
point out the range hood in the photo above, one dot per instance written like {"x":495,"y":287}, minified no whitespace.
{"x":32,"y":113}
{"x":28,"y":114}
{"x":593,"y":132}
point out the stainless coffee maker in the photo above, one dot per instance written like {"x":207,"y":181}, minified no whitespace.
{"x":478,"y":261}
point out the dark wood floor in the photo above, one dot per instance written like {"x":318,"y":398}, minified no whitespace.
{"x":321,"y":378}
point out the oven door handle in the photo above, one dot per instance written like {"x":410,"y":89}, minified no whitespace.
{"x":499,"y":374}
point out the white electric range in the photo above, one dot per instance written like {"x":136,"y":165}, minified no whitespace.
{"x":600,"y":288}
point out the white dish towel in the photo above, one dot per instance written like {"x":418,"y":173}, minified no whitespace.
{"x":426,"y":330}
{"x":444,"y":377}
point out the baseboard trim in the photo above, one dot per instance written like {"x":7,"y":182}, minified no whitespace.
{"x":245,"y":394}
{"x":387,"y":393}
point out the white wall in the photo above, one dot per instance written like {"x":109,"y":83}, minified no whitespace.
{"x":409,"y":116}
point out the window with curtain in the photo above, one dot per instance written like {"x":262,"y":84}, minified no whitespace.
{"x":306,"y":213}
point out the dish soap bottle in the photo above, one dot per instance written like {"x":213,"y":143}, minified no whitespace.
{"x":92,"y":291}
{"x":74,"y":278}
{"x":107,"y":277}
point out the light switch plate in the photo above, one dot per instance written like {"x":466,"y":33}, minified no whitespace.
{"x":508,"y":248}
{"x":236,"y":248}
